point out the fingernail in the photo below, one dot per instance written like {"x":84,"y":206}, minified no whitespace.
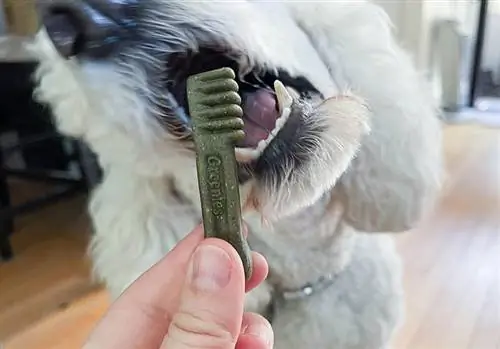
{"x":211,"y":269}
{"x":259,"y":330}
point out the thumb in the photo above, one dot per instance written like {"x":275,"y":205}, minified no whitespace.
{"x":211,"y":306}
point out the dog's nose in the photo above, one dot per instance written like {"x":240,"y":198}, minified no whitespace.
{"x":89,"y":28}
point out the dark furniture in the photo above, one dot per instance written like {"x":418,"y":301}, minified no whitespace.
{"x":46,"y":155}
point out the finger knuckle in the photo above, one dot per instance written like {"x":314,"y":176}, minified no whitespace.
{"x":200,"y":331}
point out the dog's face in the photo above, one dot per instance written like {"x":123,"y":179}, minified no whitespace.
{"x":114,"y":73}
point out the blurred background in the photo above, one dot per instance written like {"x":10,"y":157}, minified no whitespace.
{"x":452,"y":278}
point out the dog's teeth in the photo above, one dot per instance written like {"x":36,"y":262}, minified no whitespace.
{"x":244,"y":155}
{"x":280,"y":122}
{"x":284,"y":98}
{"x":262,"y":145}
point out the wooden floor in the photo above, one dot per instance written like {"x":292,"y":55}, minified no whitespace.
{"x":453,"y":260}
{"x":49,"y":270}
{"x":452,"y":265}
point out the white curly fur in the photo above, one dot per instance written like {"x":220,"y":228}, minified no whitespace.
{"x":387,"y":158}
{"x":345,"y":121}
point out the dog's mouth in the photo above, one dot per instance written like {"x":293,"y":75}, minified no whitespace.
{"x":266,"y":97}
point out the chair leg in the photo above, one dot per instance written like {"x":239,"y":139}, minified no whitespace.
{"x":6,"y":229}
{"x":6,"y":251}
{"x":6,"y":224}
{"x":88,"y":165}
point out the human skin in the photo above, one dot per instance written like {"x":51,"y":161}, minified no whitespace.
{"x":192,"y":299}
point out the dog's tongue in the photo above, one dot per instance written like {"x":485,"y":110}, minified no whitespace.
{"x":260,"y":115}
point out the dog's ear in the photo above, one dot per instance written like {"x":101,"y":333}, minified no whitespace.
{"x":397,"y":172}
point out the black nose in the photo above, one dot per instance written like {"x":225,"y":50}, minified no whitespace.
{"x":90,"y":28}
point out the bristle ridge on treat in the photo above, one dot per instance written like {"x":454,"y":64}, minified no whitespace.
{"x":221,"y":112}
{"x":231,"y":129}
{"x":217,"y":86}
{"x":217,"y":74}
{"x":215,"y":103}
{"x":223,"y":98}
{"x":234,"y":124}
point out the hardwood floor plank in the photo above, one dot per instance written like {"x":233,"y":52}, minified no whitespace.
{"x":65,"y":329}
{"x":50,"y":267}
{"x":451,"y":261}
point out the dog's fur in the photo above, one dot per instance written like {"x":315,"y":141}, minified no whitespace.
{"x":373,"y":164}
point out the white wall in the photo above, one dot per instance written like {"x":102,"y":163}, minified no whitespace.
{"x":406,"y":16}
{"x":414,"y":21}
{"x":2,"y":19}
{"x":439,"y":34}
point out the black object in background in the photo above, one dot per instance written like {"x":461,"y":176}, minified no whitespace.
{"x":28,"y":119}
{"x":47,"y":156}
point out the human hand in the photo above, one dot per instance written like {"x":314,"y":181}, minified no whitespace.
{"x":192,"y":299}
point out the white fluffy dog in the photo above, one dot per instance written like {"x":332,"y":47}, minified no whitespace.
{"x":354,"y":154}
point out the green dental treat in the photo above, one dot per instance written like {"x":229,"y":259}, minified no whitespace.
{"x":214,"y":107}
